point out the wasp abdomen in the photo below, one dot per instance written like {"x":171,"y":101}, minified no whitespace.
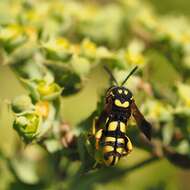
{"x":114,"y":142}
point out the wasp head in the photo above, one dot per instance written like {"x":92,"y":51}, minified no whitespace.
{"x":121,"y":97}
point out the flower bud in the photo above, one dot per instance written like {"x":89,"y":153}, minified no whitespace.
{"x":27,"y":125}
{"x":80,"y":65}
{"x":22,"y":103}
{"x":48,"y":91}
{"x":57,"y":49}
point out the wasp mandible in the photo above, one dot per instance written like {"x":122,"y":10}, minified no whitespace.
{"x":110,"y":127}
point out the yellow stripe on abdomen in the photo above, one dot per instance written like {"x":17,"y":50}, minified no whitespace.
{"x":108,"y":148}
{"x":110,"y":139}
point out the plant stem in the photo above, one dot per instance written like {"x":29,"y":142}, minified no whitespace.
{"x":104,"y":175}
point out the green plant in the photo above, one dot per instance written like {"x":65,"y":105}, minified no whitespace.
{"x":54,"y":46}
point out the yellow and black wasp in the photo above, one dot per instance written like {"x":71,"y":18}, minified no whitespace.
{"x":110,"y":127}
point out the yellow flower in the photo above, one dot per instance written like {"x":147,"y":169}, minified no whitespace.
{"x":185,"y":38}
{"x":75,"y":49}
{"x":31,"y":33}
{"x":147,"y":18}
{"x":134,"y":54}
{"x":184,"y":93}
{"x":59,"y":44}
{"x":46,"y":89}
{"x":42,"y":108}
{"x":158,"y":110}
{"x":136,"y":59}
{"x":10,"y":32}
{"x":89,"y":48}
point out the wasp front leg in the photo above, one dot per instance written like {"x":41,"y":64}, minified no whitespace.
{"x":98,"y":137}
{"x":97,"y":130}
{"x":98,"y":123}
{"x":97,"y":133}
{"x":128,"y":146}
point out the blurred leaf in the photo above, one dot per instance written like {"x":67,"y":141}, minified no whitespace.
{"x":167,"y":133}
{"x":25,"y":171}
{"x":163,"y":76}
{"x":181,"y":160}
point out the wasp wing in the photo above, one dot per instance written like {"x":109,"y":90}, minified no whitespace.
{"x":144,"y":125}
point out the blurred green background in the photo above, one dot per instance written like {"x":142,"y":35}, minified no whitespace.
{"x":155,"y":176}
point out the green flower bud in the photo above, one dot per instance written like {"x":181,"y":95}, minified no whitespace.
{"x":42,"y":90}
{"x":27,"y":125}
{"x":22,"y":103}
{"x":88,"y":48}
{"x":57,"y":49}
{"x":80,"y":65}
{"x":12,"y":36}
{"x":48,"y":91}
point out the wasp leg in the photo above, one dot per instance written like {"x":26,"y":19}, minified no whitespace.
{"x":98,"y":137}
{"x":128,"y":146}
{"x":94,"y":126}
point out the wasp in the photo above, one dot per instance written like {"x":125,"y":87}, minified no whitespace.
{"x":110,"y":127}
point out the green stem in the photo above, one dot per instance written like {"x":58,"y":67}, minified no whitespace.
{"x":141,"y":164}
{"x":104,"y":175}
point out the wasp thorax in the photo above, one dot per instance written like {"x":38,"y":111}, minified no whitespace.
{"x":121,"y":96}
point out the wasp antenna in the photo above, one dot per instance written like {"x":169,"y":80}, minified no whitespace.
{"x":110,"y":73}
{"x":134,"y":69}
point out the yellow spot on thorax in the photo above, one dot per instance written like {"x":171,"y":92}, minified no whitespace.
{"x":122,"y":127}
{"x":112,"y":126}
{"x":122,"y":105}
